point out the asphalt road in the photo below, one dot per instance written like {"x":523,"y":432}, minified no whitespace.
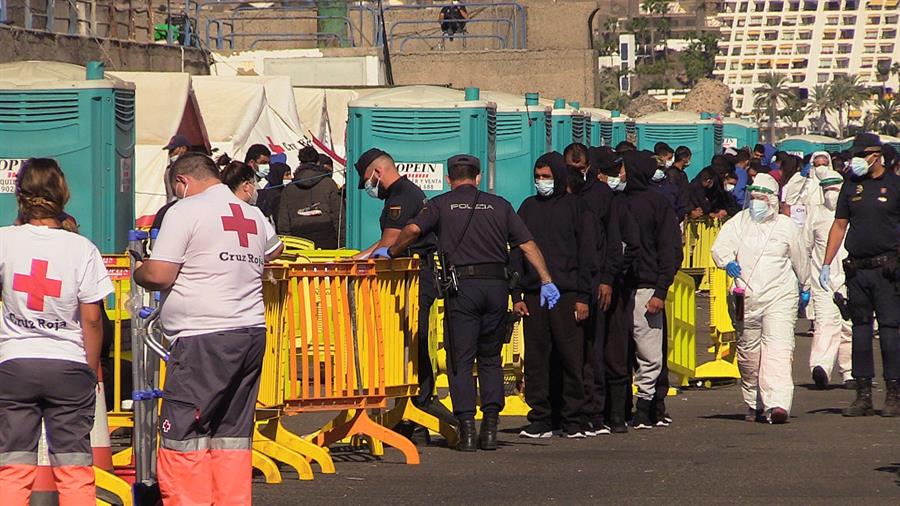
{"x":708,"y":456}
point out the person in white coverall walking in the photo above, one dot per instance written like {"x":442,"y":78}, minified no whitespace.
{"x":762,"y":250}
{"x":832,"y":339}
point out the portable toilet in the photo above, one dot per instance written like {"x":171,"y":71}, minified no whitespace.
{"x":596,"y":119}
{"x":615,"y":129}
{"x":737,"y":133}
{"x":85,"y":120}
{"x":568,"y":125}
{"x":421,"y":127}
{"x":523,"y":135}
{"x":699,"y":132}
{"x":803,"y":145}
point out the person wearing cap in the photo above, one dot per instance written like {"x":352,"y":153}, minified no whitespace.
{"x":868,"y":215}
{"x":403,"y":200}
{"x":475,"y":231}
{"x":831,"y":342}
{"x":177,"y":146}
{"x":761,"y":249}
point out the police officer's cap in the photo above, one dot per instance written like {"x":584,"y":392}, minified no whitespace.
{"x":865,"y":143}
{"x":464,"y":160}
{"x":364,"y":161}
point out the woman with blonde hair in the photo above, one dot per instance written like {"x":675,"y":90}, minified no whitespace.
{"x":50,"y":339}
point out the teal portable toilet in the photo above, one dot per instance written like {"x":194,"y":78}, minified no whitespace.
{"x":737,"y":133}
{"x":523,"y":135}
{"x":803,"y":145}
{"x":699,"y":132}
{"x":615,"y":129}
{"x":85,"y":120}
{"x":568,"y":125}
{"x":596,"y":119}
{"x":421,"y":127}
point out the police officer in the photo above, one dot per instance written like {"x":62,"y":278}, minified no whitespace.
{"x":403,"y":200}
{"x":474,"y":232}
{"x":869,"y":206}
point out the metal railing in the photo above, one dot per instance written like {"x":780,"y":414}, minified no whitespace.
{"x":464,"y":36}
{"x":506,"y":23}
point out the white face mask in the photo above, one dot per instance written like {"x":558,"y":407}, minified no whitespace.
{"x":544,"y":187}
{"x":172,"y":159}
{"x":183,"y":195}
{"x":659,"y":175}
{"x":254,"y":195}
{"x":262,"y":170}
{"x":613,"y":182}
{"x":669,"y":162}
{"x":729,"y":187}
{"x":831,"y":199}
{"x":759,"y":210}
{"x":372,"y":187}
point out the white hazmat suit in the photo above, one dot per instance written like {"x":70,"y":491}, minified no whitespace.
{"x":832,"y":339}
{"x":768,"y":248}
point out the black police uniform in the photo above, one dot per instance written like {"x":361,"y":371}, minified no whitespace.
{"x":873,"y":242}
{"x":403,"y":200}
{"x":477,"y":311}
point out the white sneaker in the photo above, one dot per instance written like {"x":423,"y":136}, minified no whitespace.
{"x":575,"y":435}
{"x":536,"y":432}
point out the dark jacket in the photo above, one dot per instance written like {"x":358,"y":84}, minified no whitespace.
{"x":311,"y":190}
{"x":624,"y":242}
{"x":678,"y":178}
{"x":660,"y":242}
{"x":270,"y":197}
{"x":564,"y":231}
{"x":597,"y":197}
{"x":696,"y":193}
{"x":673,"y":196}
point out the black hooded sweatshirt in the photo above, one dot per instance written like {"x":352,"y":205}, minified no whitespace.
{"x":270,"y":196}
{"x":563,"y":229}
{"x":660,"y":243}
{"x":311,"y":190}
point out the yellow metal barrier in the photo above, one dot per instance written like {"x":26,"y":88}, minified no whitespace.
{"x":119,"y":269}
{"x":681,"y":328}
{"x":722,"y":333}
{"x":699,"y":236}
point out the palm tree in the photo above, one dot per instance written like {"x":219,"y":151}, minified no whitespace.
{"x":770,"y":95}
{"x":846,"y":93}
{"x":820,"y":104}
{"x":654,"y":8}
{"x":795,"y":110}
{"x":887,"y":113}
{"x":895,"y":69}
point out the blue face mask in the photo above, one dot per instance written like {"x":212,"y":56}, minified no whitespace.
{"x":372,"y":187}
{"x":859,"y":166}
{"x":544,"y":187}
{"x":759,"y":209}
{"x":658,"y":176}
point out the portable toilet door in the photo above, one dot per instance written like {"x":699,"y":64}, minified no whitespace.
{"x":83,"y":119}
{"x":701,"y":134}
{"x":563,"y":117}
{"x":596,"y":119}
{"x":738,"y":133}
{"x":421,"y":127}
{"x":802,"y":145}
{"x":522,"y":137}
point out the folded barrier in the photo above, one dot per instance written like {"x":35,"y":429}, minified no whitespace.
{"x":681,"y":328}
{"x":698,"y":238}
{"x":721,"y":331}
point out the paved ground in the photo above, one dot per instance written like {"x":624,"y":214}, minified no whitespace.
{"x":709,"y":456}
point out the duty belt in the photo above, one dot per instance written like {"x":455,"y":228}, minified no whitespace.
{"x":482,"y":271}
{"x":872,"y":262}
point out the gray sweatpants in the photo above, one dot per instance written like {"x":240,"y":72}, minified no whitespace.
{"x":648,"y":336}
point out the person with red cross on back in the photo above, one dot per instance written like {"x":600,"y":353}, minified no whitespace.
{"x":50,"y":338}
{"x":208,"y":263}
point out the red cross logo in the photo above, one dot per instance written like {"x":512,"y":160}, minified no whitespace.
{"x":37,"y":285}
{"x":237,"y":223}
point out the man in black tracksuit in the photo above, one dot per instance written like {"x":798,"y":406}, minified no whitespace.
{"x":564,"y":231}
{"x":652,"y":274}
{"x":616,"y":296}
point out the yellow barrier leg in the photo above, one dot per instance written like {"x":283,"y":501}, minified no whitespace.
{"x":406,"y":410}
{"x":362,"y":424}
{"x":113,"y":484}
{"x":267,"y":466}
{"x":282,"y":454}
{"x":273,"y":430}
{"x":123,"y":458}
{"x":340,"y":419}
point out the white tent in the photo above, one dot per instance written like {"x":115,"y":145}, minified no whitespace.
{"x":244,"y":110}
{"x":166,"y":106}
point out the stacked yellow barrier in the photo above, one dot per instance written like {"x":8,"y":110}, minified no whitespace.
{"x":699,"y":236}
{"x":681,"y":328}
{"x":722,"y":333}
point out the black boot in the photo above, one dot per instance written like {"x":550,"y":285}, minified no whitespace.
{"x":487,"y":439}
{"x":468,"y":436}
{"x":862,"y":406}
{"x":892,"y":399}
{"x":617,"y":409}
{"x":641,"y":418}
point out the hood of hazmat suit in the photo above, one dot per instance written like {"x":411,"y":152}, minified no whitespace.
{"x":802,"y":193}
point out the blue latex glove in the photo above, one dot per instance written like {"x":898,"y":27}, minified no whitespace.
{"x":549,"y":295}
{"x":381,"y":252}
{"x":804,"y":171}
{"x":825,"y":277}
{"x":733,"y":269}
{"x":804,"y":299}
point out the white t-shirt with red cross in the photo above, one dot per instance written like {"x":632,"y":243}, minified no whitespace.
{"x":46,"y":274}
{"x":221,"y":243}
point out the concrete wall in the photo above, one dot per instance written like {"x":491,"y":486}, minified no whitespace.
{"x":569,"y":73}
{"x":560,"y":24}
{"x":17,"y":44}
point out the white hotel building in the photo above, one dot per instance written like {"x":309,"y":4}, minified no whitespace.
{"x":808,"y":41}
